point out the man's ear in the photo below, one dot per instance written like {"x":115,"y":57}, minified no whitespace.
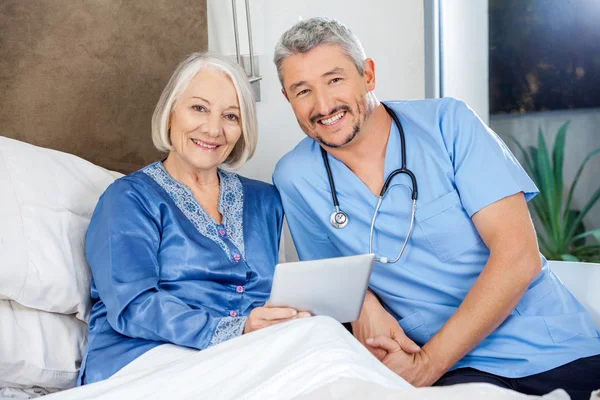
{"x":369,"y":73}
{"x":284,"y":94}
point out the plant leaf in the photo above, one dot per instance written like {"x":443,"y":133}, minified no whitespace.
{"x":576,"y":179}
{"x":523,"y":152}
{"x":568,"y":222}
{"x":558,"y":153}
{"x":540,"y":203}
{"x":594,"y":232}
{"x":589,"y":248}
{"x":569,"y":257}
{"x":541,"y":212}
{"x":589,"y":253}
{"x":548,"y":187}
{"x":535,"y":174}
{"x":584,"y":211}
{"x":542,"y":243}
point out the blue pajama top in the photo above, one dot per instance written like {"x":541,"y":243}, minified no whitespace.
{"x":461,"y":166}
{"x":164,"y":272}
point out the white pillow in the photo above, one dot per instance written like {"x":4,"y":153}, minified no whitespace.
{"x":46,"y":201}
{"x":39,"y":348}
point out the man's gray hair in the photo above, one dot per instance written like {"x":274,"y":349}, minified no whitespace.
{"x":306,"y":35}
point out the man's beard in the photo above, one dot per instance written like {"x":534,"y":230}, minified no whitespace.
{"x":355,"y":129}
{"x":349,"y":138}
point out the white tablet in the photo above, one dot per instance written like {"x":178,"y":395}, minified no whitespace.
{"x":333,"y":286}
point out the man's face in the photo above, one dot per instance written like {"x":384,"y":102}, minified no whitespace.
{"x":327,"y":94}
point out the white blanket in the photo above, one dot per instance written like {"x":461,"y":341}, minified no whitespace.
{"x":311,"y":358}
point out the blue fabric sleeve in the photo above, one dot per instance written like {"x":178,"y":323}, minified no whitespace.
{"x":310,"y":240}
{"x":485,"y":169}
{"x":122,"y":245}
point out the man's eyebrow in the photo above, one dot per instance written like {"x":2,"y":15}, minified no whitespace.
{"x":334,"y":71}
{"x":296,"y":85}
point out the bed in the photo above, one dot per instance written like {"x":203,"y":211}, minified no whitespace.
{"x":46,"y":201}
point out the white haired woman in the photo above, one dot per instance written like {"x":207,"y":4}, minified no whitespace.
{"x":182,"y":251}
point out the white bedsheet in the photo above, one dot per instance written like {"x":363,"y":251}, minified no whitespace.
{"x":22,"y":394}
{"x":311,"y":358}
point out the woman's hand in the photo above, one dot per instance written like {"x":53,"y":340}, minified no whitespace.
{"x":262,"y":317}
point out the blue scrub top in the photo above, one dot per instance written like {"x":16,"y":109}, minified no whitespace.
{"x":461,"y":166}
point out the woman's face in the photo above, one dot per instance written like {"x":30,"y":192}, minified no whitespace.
{"x":206,"y":121}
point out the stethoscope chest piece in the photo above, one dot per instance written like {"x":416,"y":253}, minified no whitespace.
{"x":338,"y":219}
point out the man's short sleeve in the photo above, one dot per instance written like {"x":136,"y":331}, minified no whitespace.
{"x":485,"y":169}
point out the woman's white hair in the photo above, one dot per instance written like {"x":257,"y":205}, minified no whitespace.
{"x":181,"y":78}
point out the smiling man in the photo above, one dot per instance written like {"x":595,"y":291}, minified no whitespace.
{"x":460,"y":292}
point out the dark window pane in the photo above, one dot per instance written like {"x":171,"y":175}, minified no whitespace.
{"x":544,"y":55}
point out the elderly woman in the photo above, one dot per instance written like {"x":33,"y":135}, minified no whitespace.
{"x":182,"y":251}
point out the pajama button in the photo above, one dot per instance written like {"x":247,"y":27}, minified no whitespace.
{"x":239,"y":289}
{"x":232,"y":313}
{"x":222,"y":232}
{"x":236,"y":257}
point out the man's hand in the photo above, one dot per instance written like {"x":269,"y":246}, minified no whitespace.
{"x":416,"y":368}
{"x":375,"y":321}
{"x":262,"y":317}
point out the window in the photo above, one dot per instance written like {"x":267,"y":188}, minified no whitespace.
{"x":544,"y":55}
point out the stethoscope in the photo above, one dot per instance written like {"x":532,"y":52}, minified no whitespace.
{"x":339,"y":219}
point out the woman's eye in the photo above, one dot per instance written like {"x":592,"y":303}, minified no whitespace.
{"x":199,"y":108}
{"x":231,"y":117}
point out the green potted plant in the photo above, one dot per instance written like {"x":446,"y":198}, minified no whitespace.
{"x":561,"y":233}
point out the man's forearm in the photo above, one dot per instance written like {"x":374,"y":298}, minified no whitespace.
{"x":488,"y":303}
{"x":369,"y":301}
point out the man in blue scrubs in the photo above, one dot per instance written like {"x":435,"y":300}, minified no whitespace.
{"x":471,"y":299}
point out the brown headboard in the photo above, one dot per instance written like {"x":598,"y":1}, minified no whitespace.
{"x":83,"y":76}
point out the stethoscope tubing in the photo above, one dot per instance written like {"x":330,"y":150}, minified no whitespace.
{"x":339,"y":219}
